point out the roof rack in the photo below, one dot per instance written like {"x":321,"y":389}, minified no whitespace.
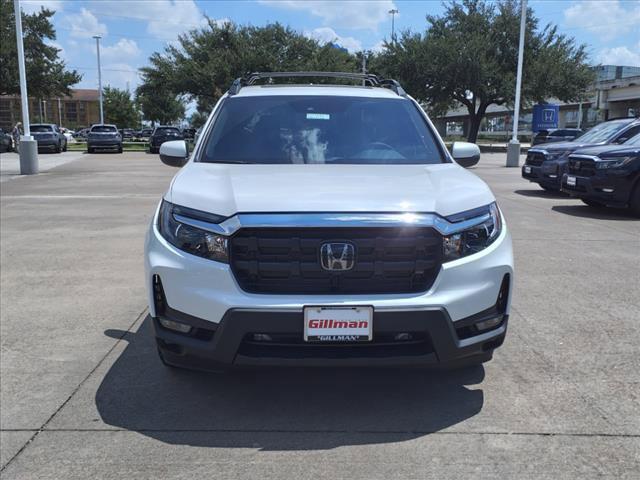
{"x":372,"y":80}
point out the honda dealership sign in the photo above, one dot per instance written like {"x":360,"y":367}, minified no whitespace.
{"x":545,"y":116}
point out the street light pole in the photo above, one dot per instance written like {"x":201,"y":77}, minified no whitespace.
{"x":28,"y":146}
{"x":513,"y":149}
{"x":98,"y":37}
{"x":393,"y":18}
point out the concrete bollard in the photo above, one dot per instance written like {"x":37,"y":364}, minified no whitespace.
{"x":513,"y":154}
{"x":28,"y":156}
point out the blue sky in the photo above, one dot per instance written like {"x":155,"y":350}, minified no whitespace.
{"x":133,"y":29}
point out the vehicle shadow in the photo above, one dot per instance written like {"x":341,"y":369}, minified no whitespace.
{"x":598,"y":213}
{"x":540,"y":193}
{"x":279,"y":409}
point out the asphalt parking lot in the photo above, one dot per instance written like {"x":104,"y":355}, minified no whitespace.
{"x":83,"y":394}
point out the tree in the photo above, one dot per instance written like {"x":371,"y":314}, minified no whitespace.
{"x":468,"y":57}
{"x":158,"y":104}
{"x":47,"y":74}
{"x":198,"y":119}
{"x":207,"y":60}
{"x":119,"y":108}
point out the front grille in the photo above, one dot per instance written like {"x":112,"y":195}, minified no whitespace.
{"x":535,"y":158}
{"x":287,"y":260}
{"x":582,"y":167}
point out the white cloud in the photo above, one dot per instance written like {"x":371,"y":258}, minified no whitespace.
{"x":355,"y":14}
{"x":629,"y":57}
{"x":607,"y":20}
{"x":328,"y":35}
{"x":166,"y":19}
{"x":120,"y":75}
{"x":84,"y":25}
{"x":32,"y":6}
{"x":378,"y":47}
{"x":124,"y":49}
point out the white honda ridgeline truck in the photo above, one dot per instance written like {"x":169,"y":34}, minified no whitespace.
{"x":326,"y":225}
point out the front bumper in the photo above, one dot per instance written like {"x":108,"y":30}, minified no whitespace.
{"x":204,"y":294}
{"x":547,"y":174}
{"x":610,"y":188}
{"x":435,"y":340}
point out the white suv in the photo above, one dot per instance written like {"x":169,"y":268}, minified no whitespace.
{"x":322,"y":224}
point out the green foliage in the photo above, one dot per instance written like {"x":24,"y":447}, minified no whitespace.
{"x":47,"y":75}
{"x":469,"y":55}
{"x":198,"y":119}
{"x":119,"y":108}
{"x":207,"y":60}
{"x":158,"y":104}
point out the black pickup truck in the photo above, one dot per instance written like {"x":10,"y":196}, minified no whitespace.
{"x":546,"y":163}
{"x":607,"y":175}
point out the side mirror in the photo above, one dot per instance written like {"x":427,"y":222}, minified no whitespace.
{"x":174,"y":153}
{"x":465,"y":154}
{"x":621,"y":140}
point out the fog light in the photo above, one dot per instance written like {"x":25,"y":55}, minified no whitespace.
{"x":402,"y":337}
{"x":607,"y":190}
{"x":262,"y":337}
{"x":487,"y":324}
{"x":176,"y":326}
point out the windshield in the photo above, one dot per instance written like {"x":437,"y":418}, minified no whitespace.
{"x":602,"y":133}
{"x":104,"y":129}
{"x":41,"y":128}
{"x":321,"y":129}
{"x":163,"y":130}
{"x":633,"y":141}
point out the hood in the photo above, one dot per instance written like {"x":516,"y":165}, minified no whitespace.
{"x":618,"y":149}
{"x":226,"y":189}
{"x":563,"y":146}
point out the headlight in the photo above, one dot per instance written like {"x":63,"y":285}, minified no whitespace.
{"x":607,"y":163}
{"x":475,"y":238}
{"x":189,"y":238}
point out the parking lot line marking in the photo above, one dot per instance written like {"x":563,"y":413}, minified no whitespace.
{"x":75,"y":390}
{"x":80,"y":197}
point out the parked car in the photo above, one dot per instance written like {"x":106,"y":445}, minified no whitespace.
{"x":556,"y":135}
{"x":326,"y":226}
{"x":104,"y":137}
{"x":81,"y":133}
{"x":163,"y":134}
{"x":6,"y":141}
{"x":145,"y":134}
{"x":189,"y":133}
{"x":606,"y":176}
{"x":545,"y":164}
{"x":49,"y":137}
{"x":127,"y":133}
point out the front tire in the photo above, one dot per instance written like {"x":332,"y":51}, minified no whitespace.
{"x":64,"y":149}
{"x":120,"y":149}
{"x":592,"y":203}
{"x":90,"y":150}
{"x":58,"y":148}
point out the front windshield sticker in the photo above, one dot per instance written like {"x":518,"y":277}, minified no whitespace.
{"x":318,"y":116}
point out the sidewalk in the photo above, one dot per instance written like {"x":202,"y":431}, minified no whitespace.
{"x":10,"y":162}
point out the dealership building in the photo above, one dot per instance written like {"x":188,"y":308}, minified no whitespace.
{"x":80,"y":109}
{"x":615,"y":93}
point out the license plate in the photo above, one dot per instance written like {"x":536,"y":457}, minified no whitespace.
{"x":338,"y":324}
{"x":571,"y":181}
{"x":527,"y":169}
